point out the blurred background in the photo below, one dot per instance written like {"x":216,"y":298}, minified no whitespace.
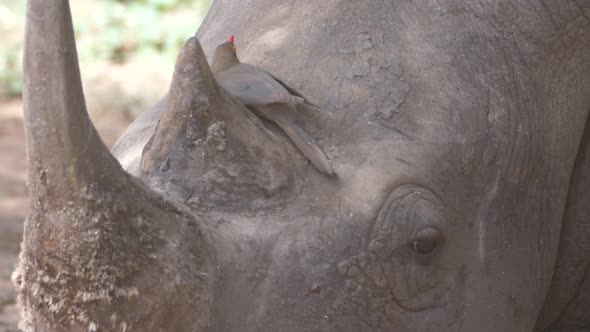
{"x":126,"y":50}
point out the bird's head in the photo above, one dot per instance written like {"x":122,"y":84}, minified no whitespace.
{"x":225,"y":56}
{"x":227,"y":47}
{"x":233,"y":46}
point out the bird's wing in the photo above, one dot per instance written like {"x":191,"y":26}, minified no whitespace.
{"x":281,"y":93}
{"x":293,"y":91}
{"x":286,"y":118}
{"x":253,"y":86}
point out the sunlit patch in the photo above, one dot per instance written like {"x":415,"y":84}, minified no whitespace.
{"x":273,"y":38}
{"x":131,"y":156}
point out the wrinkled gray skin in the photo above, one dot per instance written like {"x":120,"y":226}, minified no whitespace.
{"x":458,"y":133}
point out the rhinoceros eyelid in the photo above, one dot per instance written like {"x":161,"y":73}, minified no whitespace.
{"x":426,"y":241}
{"x":411,"y":218}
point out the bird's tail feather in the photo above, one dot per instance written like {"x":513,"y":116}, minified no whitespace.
{"x":306,"y":143}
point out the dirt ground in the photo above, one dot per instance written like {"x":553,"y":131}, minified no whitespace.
{"x":14,"y":200}
{"x":13,"y":205}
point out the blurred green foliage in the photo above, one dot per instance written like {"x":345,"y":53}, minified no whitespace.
{"x":107,"y":31}
{"x":11,"y":27}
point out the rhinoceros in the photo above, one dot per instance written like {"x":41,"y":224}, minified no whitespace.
{"x":457,"y":130}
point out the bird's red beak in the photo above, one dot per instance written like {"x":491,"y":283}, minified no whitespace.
{"x":231,"y":39}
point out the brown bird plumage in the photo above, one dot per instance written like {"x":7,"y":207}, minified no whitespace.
{"x":269,"y":97}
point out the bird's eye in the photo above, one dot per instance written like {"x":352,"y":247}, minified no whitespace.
{"x":426,"y":241}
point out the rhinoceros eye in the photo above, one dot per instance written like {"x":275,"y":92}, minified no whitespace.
{"x":411,"y":225}
{"x":426,"y":241}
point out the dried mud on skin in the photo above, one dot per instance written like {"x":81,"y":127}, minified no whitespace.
{"x":14,"y":204}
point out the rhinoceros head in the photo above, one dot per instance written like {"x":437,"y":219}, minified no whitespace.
{"x":451,"y":131}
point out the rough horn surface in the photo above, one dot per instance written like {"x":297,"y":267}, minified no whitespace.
{"x":205,"y":136}
{"x":97,"y":241}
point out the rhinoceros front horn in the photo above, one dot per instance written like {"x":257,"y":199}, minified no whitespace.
{"x":101,"y":251}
